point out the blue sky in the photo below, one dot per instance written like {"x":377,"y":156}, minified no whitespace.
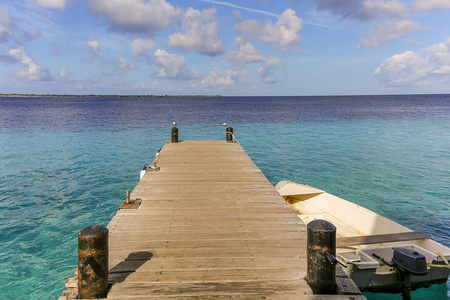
{"x":253,"y":47}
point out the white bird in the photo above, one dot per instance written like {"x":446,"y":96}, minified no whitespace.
{"x":174,"y":123}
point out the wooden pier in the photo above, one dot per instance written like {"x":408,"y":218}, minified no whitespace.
{"x":209,"y":225}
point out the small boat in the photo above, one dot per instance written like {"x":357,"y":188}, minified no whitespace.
{"x":366,"y":241}
{"x":143,"y":171}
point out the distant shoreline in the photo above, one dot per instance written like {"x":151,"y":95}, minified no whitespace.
{"x":200,"y":96}
{"x":126,"y":96}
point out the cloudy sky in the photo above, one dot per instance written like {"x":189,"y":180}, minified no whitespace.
{"x":252,"y":47}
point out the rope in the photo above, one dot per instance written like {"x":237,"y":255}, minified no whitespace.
{"x":234,"y":137}
{"x":447,"y":264}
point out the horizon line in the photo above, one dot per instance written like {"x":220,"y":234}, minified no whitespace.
{"x":206,"y":96}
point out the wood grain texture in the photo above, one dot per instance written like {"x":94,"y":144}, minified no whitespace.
{"x":210,"y":226}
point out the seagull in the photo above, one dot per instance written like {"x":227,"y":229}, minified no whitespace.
{"x":174,"y":123}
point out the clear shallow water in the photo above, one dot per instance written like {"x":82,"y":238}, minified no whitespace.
{"x":66,"y":163}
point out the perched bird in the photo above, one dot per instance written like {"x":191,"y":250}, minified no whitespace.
{"x":174,"y":123}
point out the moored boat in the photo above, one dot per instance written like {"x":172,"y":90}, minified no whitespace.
{"x":378,"y":254}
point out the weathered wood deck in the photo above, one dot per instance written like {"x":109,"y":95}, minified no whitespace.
{"x":210,"y":225}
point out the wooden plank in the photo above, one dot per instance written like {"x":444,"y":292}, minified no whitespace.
{"x":380,"y":238}
{"x":211,"y":226}
{"x":340,"y":272}
{"x":207,"y":235}
{"x":207,"y":275}
{"x":346,"y":286}
{"x":237,"y":288}
{"x":217,"y":252}
{"x":282,"y":295}
{"x":147,"y":264}
{"x":117,"y":226}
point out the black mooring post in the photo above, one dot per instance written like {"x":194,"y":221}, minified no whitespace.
{"x":321,"y":237}
{"x":93,"y":262}
{"x":229,"y":134}
{"x":174,"y":135}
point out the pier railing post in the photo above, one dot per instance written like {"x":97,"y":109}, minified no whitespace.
{"x":93,"y":262}
{"x":229,"y":134}
{"x":321,"y":238}
{"x":174,"y":135}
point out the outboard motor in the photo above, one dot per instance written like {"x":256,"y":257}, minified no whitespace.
{"x":410,"y":261}
{"x":406,"y":262}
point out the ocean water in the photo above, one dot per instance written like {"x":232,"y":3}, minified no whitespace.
{"x":65,"y":163}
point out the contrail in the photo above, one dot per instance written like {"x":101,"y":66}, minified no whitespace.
{"x":241,"y":7}
{"x":274,"y":15}
{"x":330,"y":27}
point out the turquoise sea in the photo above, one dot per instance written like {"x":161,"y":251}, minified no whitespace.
{"x":65,"y":163}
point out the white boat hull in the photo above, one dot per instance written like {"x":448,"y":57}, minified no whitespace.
{"x":352,"y":220}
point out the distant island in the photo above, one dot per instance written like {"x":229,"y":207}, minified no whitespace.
{"x":55,"y":95}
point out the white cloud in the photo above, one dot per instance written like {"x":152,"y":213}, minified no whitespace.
{"x":65,"y":75}
{"x":91,"y":78}
{"x":116,"y":83}
{"x":32,"y":70}
{"x":267,"y":70}
{"x":444,"y":70}
{"x":56,"y":4}
{"x":381,"y":34}
{"x":345,"y":8}
{"x":439,"y":54}
{"x":411,"y":69}
{"x":141,"y":47}
{"x":135,"y":15}
{"x":139,"y":85}
{"x":218,"y":77}
{"x":123,"y":65}
{"x":285,"y":32}
{"x":93,"y":49}
{"x":400,"y":69}
{"x":201,"y":33}
{"x":365,"y":10}
{"x":237,"y":14}
{"x":393,"y":13}
{"x":379,"y":8}
{"x":143,"y":85}
{"x":425,"y":5}
{"x":6,"y":23}
{"x":172,"y":66}
{"x":249,"y":28}
{"x":246,"y":54}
